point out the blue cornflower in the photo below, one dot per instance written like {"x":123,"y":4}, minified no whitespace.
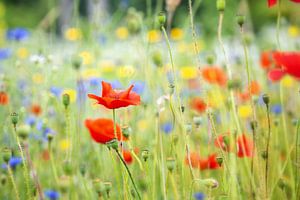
{"x":139,"y":86}
{"x":13,"y":162}
{"x":167,"y":127}
{"x":56,"y":91}
{"x":17,"y":34}
{"x":52,"y":194}
{"x":30,"y":120}
{"x":276,"y":109}
{"x":4,"y":53}
{"x":199,"y":196}
{"x":115,"y":84}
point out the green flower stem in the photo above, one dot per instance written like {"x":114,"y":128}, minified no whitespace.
{"x":129,"y":173}
{"x":267,"y":151}
{"x":17,"y":196}
{"x":52,"y":162}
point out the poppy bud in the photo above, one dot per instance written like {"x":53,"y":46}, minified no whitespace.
{"x":264,"y":155}
{"x":171,"y":163}
{"x":157,"y":59}
{"x":145,"y":154}
{"x":240,"y":20}
{"x":221,"y":4}
{"x":67,"y":167}
{"x":210,"y":59}
{"x":253,"y":124}
{"x":23,"y":131}
{"x":50,"y":137}
{"x":219,"y":160}
{"x":161,"y":18}
{"x":226,"y":140}
{"x":107,"y":187}
{"x":126,"y":130}
{"x":14,"y":118}
{"x":182,"y":108}
{"x":76,"y":62}
{"x":210,"y":183}
{"x":3,"y":179}
{"x":197,"y":121}
{"x":113,"y":144}
{"x":266,"y":99}
{"x":66,"y":100}
{"x":6,"y":154}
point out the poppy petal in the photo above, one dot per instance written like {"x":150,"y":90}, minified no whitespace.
{"x":271,"y":2}
{"x":276,"y":74}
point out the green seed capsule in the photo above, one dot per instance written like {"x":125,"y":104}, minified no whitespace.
{"x":171,"y":163}
{"x":14,"y":118}
{"x":66,"y":100}
{"x":221,"y":4}
{"x":161,"y":18}
{"x":6,"y":154}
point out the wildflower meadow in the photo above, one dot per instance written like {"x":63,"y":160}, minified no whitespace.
{"x":150,"y":100}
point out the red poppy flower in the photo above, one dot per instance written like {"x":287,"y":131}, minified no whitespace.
{"x":276,"y":74}
{"x":4,"y":99}
{"x":244,"y":146}
{"x":113,"y":99}
{"x":102,"y":130}
{"x":198,"y":104}
{"x":209,"y":163}
{"x":274,"y":2}
{"x":266,"y":60}
{"x":214,"y":75}
{"x":254,"y":88}
{"x":244,"y":96}
{"x":289,"y":61}
{"x":36,"y":109}
{"x":127,"y":156}
{"x":195,"y":158}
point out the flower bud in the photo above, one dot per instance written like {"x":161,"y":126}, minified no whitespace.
{"x":126,"y":130}
{"x":50,"y":137}
{"x":3,"y":179}
{"x":6,"y":154}
{"x":145,"y":154}
{"x":171,"y":163}
{"x":240,"y":20}
{"x":113,"y":144}
{"x":210,"y":59}
{"x":107,"y":187}
{"x":266,"y":99}
{"x":23,"y":131}
{"x":68,"y":167}
{"x":76,"y":62}
{"x":221,"y":4}
{"x":210,"y":183}
{"x":99,"y":186}
{"x":219,"y":160}
{"x":161,"y":18}
{"x":14,"y":118}
{"x":264,"y":155}
{"x":197,"y":121}
{"x":66,"y":100}
{"x":157,"y":59}
{"x":253,"y":125}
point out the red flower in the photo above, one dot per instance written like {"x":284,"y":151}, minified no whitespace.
{"x":289,"y":61}
{"x":127,"y":156}
{"x":273,"y":2}
{"x":102,"y":130}
{"x":202,"y":163}
{"x":214,"y":75}
{"x":113,"y":99}
{"x":198,"y":104}
{"x":209,"y":163}
{"x":244,"y":146}
{"x":266,"y":60}
{"x":4,"y":99}
{"x":36,"y":109}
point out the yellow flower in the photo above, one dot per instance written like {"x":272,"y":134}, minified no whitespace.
{"x":106,"y":66}
{"x":142,"y":125}
{"x":176,"y":34}
{"x":72,"y":93}
{"x":245,"y":111}
{"x":22,"y":53}
{"x":73,"y":34}
{"x":37,"y":78}
{"x":154,"y":36}
{"x":89,"y":73}
{"x":122,"y":33}
{"x":215,"y":99}
{"x":294,"y":31}
{"x":64,"y":144}
{"x":188,"y":72}
{"x":87,"y":57}
{"x":287,"y":81}
{"x":126,"y":71}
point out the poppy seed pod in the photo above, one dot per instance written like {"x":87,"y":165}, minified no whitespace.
{"x":253,"y":124}
{"x":210,"y":59}
{"x":126,"y":130}
{"x":197,"y":121}
{"x":145,"y":154}
{"x":66,"y":100}
{"x":171,"y":163}
{"x":210,"y":183}
{"x":107,"y":187}
{"x":99,"y":186}
{"x":266,"y":99}
{"x":161,"y":18}
{"x":14,"y":118}
{"x":221,"y":4}
{"x":6,"y":154}
{"x":113,"y":144}
{"x":76,"y":62}
{"x":264,"y":155}
{"x":68,"y":168}
{"x":240,"y":20}
{"x":219,"y":160}
{"x":23,"y":131}
{"x":50,"y":137}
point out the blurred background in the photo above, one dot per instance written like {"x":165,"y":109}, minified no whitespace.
{"x":56,"y":15}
